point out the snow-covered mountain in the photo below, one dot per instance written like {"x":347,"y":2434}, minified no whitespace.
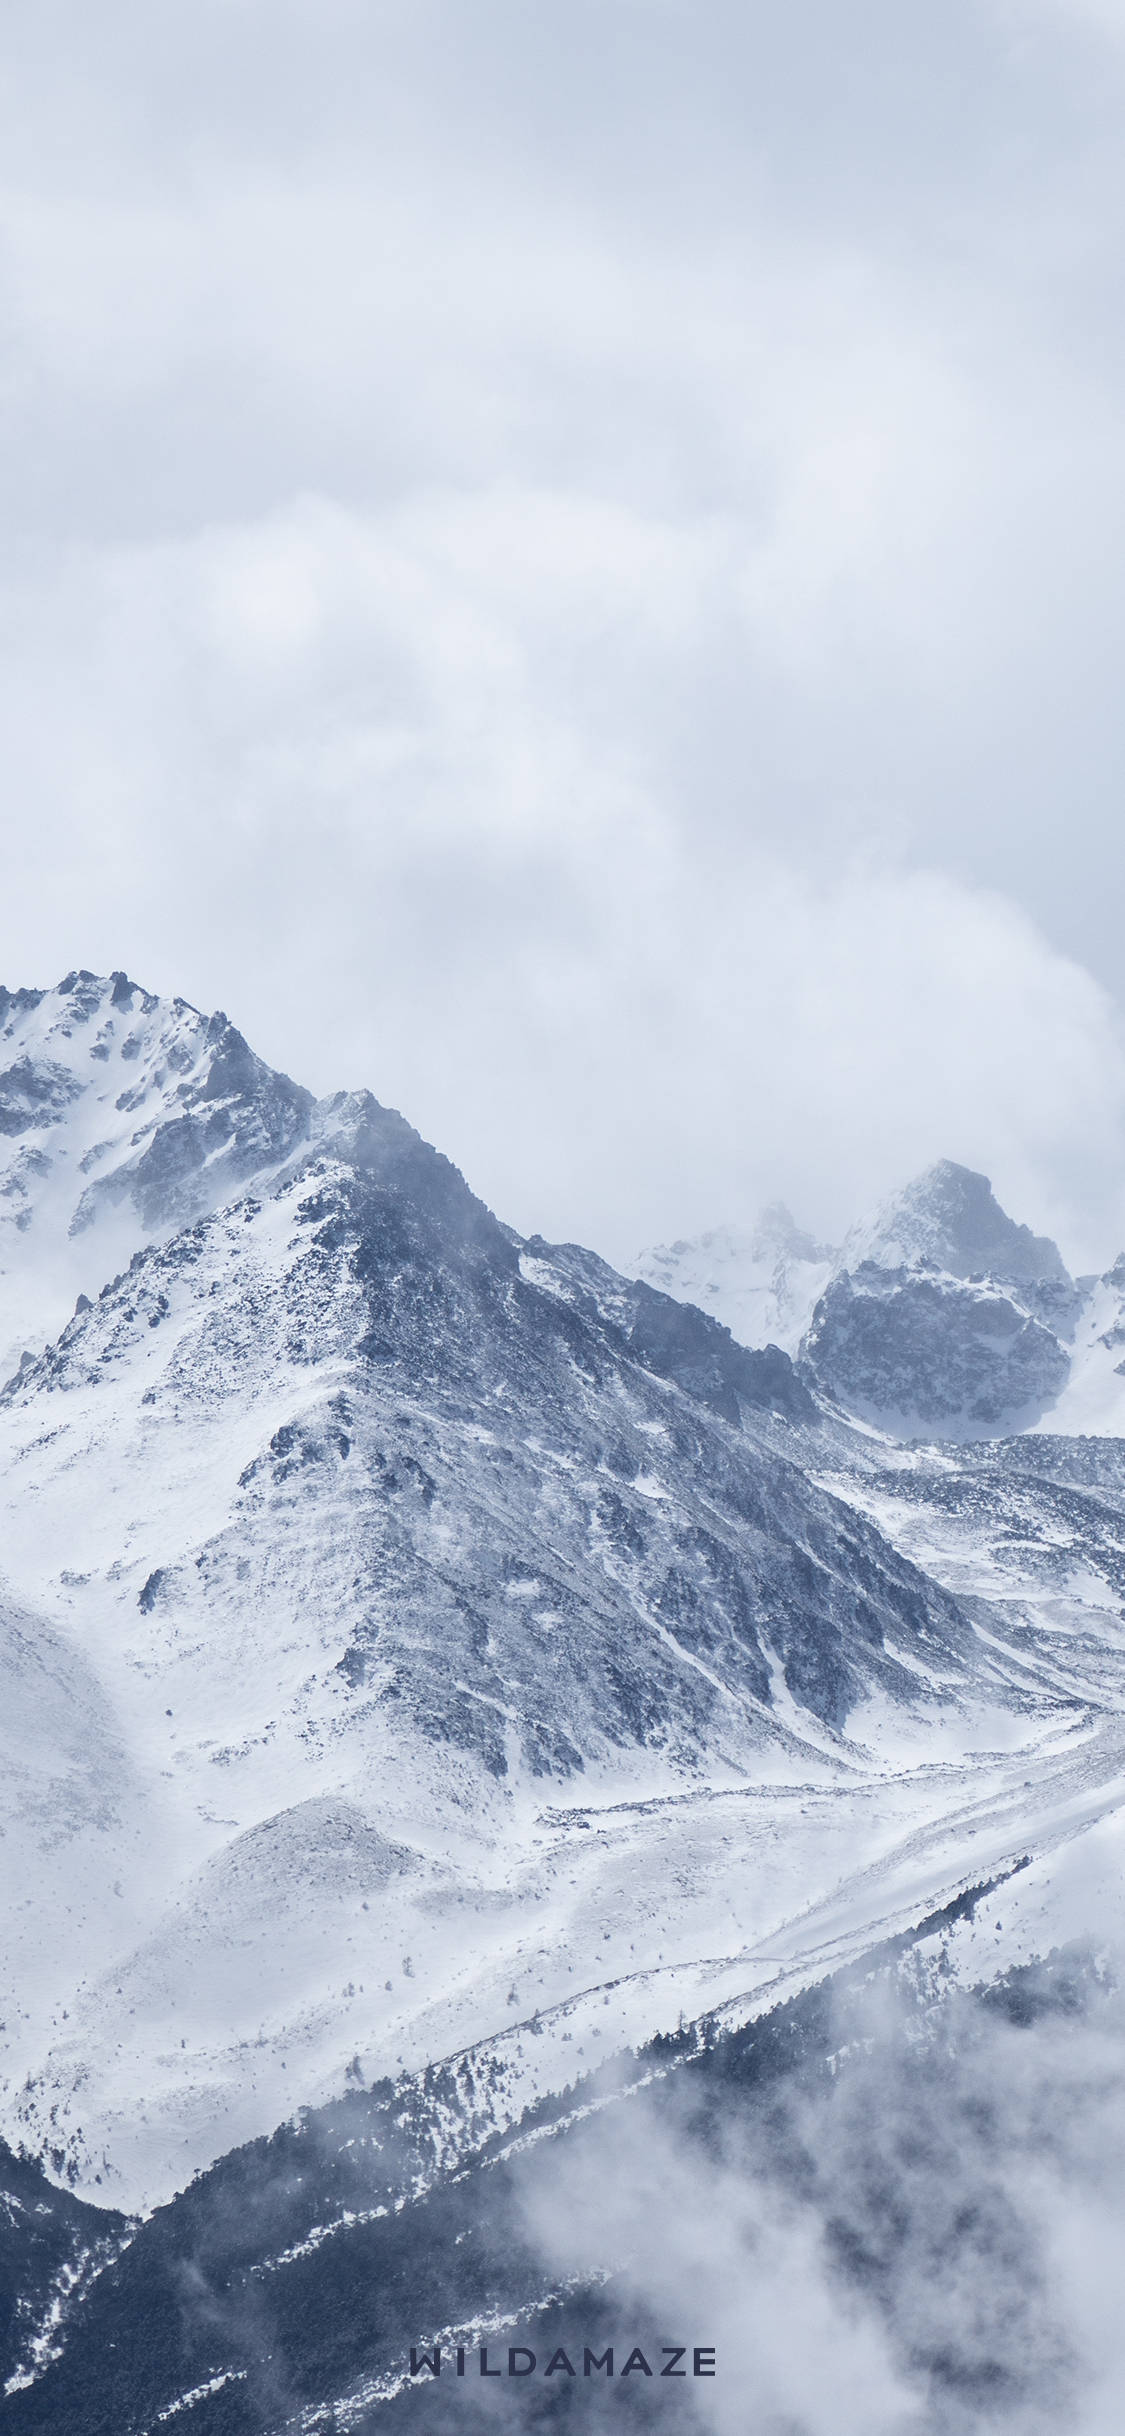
{"x":946,"y":1316}
{"x":433,"y":1663}
{"x":939,"y":1314}
{"x":357,"y":1523}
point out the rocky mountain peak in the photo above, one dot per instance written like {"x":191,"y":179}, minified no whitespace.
{"x":948,"y":1218}
{"x":945,"y":1316}
{"x":122,"y":1116}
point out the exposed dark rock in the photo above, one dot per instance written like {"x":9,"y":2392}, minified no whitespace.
{"x":678,"y":1342}
{"x":924,"y":1353}
{"x":35,"y":1092}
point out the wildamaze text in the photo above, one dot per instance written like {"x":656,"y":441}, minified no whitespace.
{"x":670,"y":2361}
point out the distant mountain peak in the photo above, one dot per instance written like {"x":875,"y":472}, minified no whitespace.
{"x":945,"y":1315}
{"x":775,"y":1230}
{"x":949,"y":1218}
{"x":761,"y":1282}
{"x":940,"y":1311}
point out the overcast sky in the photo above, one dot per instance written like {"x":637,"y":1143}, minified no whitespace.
{"x":565,"y":559}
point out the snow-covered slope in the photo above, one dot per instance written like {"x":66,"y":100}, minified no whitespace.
{"x":1092,"y":1403}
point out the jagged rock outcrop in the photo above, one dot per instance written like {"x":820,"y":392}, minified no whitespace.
{"x":927,"y":1354}
{"x":946,"y":1318}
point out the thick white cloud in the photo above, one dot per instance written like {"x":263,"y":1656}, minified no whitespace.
{"x":566,"y":562}
{"x":329,"y":759}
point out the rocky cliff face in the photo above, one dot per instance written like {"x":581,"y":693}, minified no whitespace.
{"x":926,"y":1355}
